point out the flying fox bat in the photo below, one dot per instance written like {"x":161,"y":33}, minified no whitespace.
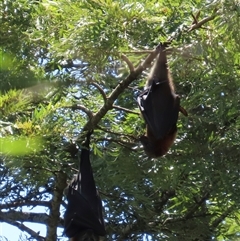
{"x":83,"y":217}
{"x":159,"y":106}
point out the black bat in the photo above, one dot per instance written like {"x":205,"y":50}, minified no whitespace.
{"x":84,"y":210}
{"x":159,"y":106}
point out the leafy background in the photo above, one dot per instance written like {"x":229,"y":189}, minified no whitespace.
{"x":68,"y":66}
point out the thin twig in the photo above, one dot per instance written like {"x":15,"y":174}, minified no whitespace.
{"x":203,"y":21}
{"x":147,"y":51}
{"x":129,"y":63}
{"x":80,"y":107}
{"x":100,"y":90}
{"x":25,"y":203}
{"x":125,"y":109}
{"x":195,"y":18}
{"x":221,"y":218}
{"x":26,"y":229}
{"x":196,"y":206}
{"x":116,"y":133}
{"x":124,"y":144}
{"x":112,"y":196}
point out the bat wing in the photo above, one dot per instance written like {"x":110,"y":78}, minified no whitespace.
{"x":80,"y":216}
{"x":160,"y":108}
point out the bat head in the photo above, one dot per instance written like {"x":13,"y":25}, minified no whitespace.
{"x":158,"y":147}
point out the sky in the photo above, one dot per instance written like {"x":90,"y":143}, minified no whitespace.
{"x":14,"y":234}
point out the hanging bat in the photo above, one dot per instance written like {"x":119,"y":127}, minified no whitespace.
{"x":83,"y":216}
{"x":159,"y":106}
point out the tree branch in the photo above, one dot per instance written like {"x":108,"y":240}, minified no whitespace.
{"x":92,"y":123}
{"x":26,"y":229}
{"x":54,"y":215}
{"x":165,"y":196}
{"x":195,"y":25}
{"x":124,"y":144}
{"x":25,"y":203}
{"x":129,"y":63}
{"x":146,"y":51}
{"x":197,"y":205}
{"x":115,"y":133}
{"x":218,"y":220}
{"x":100,"y":90}
{"x":125,"y":109}
{"x":195,"y":17}
{"x":24,"y":217}
{"x":203,"y":21}
{"x":82,"y":108}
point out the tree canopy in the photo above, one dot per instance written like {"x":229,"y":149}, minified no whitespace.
{"x":70,"y":66}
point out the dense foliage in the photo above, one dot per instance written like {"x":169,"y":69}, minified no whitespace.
{"x":68,"y":66}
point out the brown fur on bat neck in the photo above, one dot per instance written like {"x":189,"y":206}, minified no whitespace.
{"x":160,"y":71}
